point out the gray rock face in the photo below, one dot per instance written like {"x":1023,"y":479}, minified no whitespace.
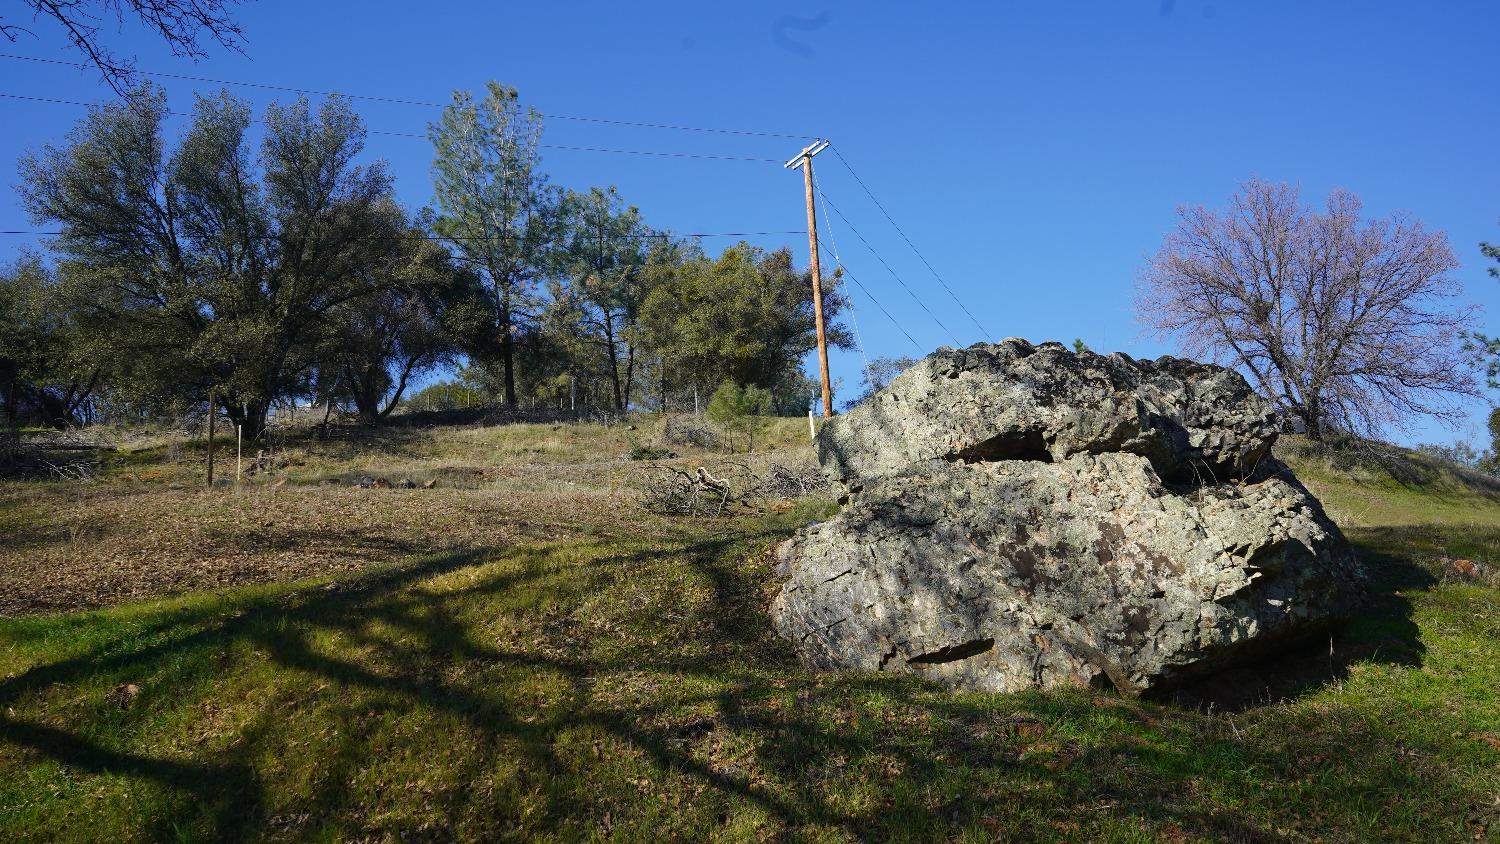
{"x":1013,"y":400}
{"x":1024,"y":517}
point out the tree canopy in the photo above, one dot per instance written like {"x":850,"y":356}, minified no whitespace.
{"x":744,"y":317}
{"x":212,"y":266}
{"x":272,"y":264}
{"x":1346,"y":323}
{"x":183,"y":25}
{"x":497,"y":213}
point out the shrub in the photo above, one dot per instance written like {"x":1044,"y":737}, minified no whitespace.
{"x":739,"y":410}
{"x":643,"y":451}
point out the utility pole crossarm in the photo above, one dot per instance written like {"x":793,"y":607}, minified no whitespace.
{"x":804,"y":159}
{"x":806,"y":154}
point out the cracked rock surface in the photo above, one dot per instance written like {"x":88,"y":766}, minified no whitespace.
{"x":1013,"y":400}
{"x":1020,"y":516}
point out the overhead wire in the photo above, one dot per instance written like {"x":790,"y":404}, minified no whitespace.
{"x":838,"y":267}
{"x":889,"y":269}
{"x":857,"y":283}
{"x":388,"y":133}
{"x":603,"y":149}
{"x":871,"y":194}
{"x":579,"y":118}
{"x":482,"y":237}
{"x":400,"y":101}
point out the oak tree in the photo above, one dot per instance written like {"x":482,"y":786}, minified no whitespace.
{"x":209,"y":265}
{"x":1344,"y":322}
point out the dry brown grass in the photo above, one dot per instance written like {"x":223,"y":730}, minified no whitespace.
{"x":147,"y":527}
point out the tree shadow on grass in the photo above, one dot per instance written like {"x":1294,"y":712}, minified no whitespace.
{"x":407,"y":638}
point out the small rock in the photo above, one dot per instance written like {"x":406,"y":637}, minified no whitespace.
{"x":430,"y":484}
{"x":380,"y":483}
{"x":406,"y":483}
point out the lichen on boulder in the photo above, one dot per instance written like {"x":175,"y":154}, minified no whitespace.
{"x":1022,"y":516}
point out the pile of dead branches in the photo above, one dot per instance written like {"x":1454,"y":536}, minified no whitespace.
{"x":793,"y":481}
{"x":704,"y":492}
{"x":677,"y":492}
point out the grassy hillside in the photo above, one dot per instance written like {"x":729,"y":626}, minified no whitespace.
{"x":523,"y":653}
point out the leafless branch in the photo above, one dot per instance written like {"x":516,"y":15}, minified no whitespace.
{"x":1346,"y":324}
{"x":184,"y":25}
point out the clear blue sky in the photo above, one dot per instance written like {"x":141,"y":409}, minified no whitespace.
{"x":1035,"y":152}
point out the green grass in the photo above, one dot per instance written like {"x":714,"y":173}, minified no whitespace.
{"x":628,"y":687}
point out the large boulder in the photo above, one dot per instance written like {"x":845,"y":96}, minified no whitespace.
{"x":1022,"y":516}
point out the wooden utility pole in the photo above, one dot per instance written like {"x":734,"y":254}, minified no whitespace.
{"x":804,"y":160}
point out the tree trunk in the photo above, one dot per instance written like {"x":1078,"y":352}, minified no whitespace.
{"x":508,"y":357}
{"x":629,"y":374}
{"x":251,"y":417}
{"x":401,"y":389}
{"x":1312,"y":415}
{"x":369,"y":414}
{"x":663,"y":366}
{"x":614,"y":372}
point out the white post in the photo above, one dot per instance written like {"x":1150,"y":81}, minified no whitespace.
{"x":812,"y":430}
{"x":239,"y":453}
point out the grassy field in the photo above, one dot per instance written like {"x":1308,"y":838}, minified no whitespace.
{"x":521,"y":652}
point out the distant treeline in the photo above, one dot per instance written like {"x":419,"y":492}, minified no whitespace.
{"x":287,"y":271}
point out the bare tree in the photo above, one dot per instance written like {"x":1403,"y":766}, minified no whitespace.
{"x":182,"y":24}
{"x":1344,"y":323}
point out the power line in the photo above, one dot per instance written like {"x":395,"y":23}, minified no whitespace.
{"x":892,"y":221}
{"x":838,"y":265}
{"x":491,"y":237}
{"x":887,"y":266}
{"x":866,"y":291}
{"x":603,"y":150}
{"x":399,"y":101}
{"x":49,"y":100}
{"x":658,"y":153}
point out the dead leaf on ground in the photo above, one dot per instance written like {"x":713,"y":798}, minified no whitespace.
{"x":124,"y":695}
